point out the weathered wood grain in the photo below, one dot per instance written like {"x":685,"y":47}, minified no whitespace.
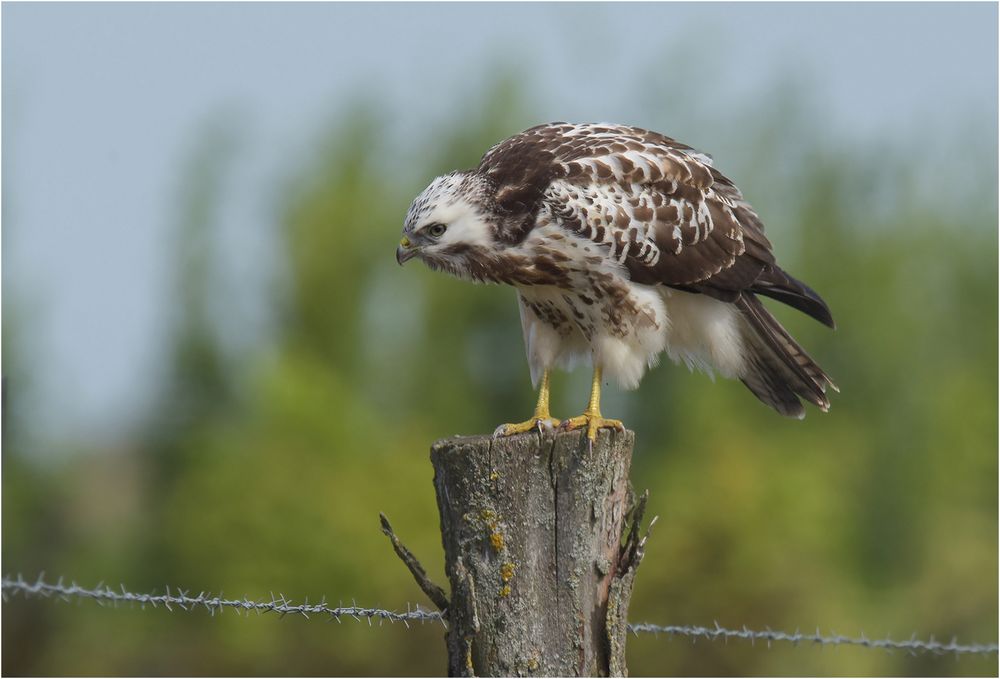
{"x":538,"y":552}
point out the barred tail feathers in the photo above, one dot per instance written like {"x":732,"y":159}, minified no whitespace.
{"x":776,"y":368}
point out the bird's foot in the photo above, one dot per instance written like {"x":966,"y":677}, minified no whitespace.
{"x":593,"y":422}
{"x":537,"y":423}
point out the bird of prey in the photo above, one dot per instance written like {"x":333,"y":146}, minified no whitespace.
{"x":622,"y":244}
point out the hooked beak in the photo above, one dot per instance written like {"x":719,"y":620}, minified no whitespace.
{"x":406,"y":251}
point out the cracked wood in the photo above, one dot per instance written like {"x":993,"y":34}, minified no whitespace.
{"x":538,"y":552}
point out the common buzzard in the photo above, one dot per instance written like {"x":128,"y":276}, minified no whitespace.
{"x":622,"y":244}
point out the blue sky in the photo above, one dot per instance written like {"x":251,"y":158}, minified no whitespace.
{"x":101,"y":103}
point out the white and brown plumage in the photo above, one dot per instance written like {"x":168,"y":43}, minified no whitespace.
{"x":622,"y":244}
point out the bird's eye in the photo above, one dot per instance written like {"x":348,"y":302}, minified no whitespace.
{"x":436,"y":230}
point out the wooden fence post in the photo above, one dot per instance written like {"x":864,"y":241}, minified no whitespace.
{"x":541,"y":540}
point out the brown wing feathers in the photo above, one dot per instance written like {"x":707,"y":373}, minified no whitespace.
{"x":709,"y":239}
{"x":779,"y":285}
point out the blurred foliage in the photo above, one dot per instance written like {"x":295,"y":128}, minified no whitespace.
{"x":267,"y":470}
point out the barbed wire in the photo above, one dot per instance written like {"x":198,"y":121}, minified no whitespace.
{"x":912,"y":645}
{"x":212,"y":603}
{"x":279,"y":604}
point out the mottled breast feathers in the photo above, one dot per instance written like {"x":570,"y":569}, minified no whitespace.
{"x":658,"y":205}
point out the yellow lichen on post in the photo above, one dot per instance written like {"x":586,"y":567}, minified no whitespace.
{"x":496,"y":539}
{"x":533,"y":663}
{"x":468,"y":656}
{"x":507,"y":572}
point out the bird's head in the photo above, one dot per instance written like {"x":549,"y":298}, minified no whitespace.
{"x":449,"y":223}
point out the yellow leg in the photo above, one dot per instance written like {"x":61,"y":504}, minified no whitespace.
{"x":541,"y":418}
{"x":592,"y":418}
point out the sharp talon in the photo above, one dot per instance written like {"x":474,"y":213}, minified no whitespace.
{"x":535,"y":424}
{"x":593,"y":424}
